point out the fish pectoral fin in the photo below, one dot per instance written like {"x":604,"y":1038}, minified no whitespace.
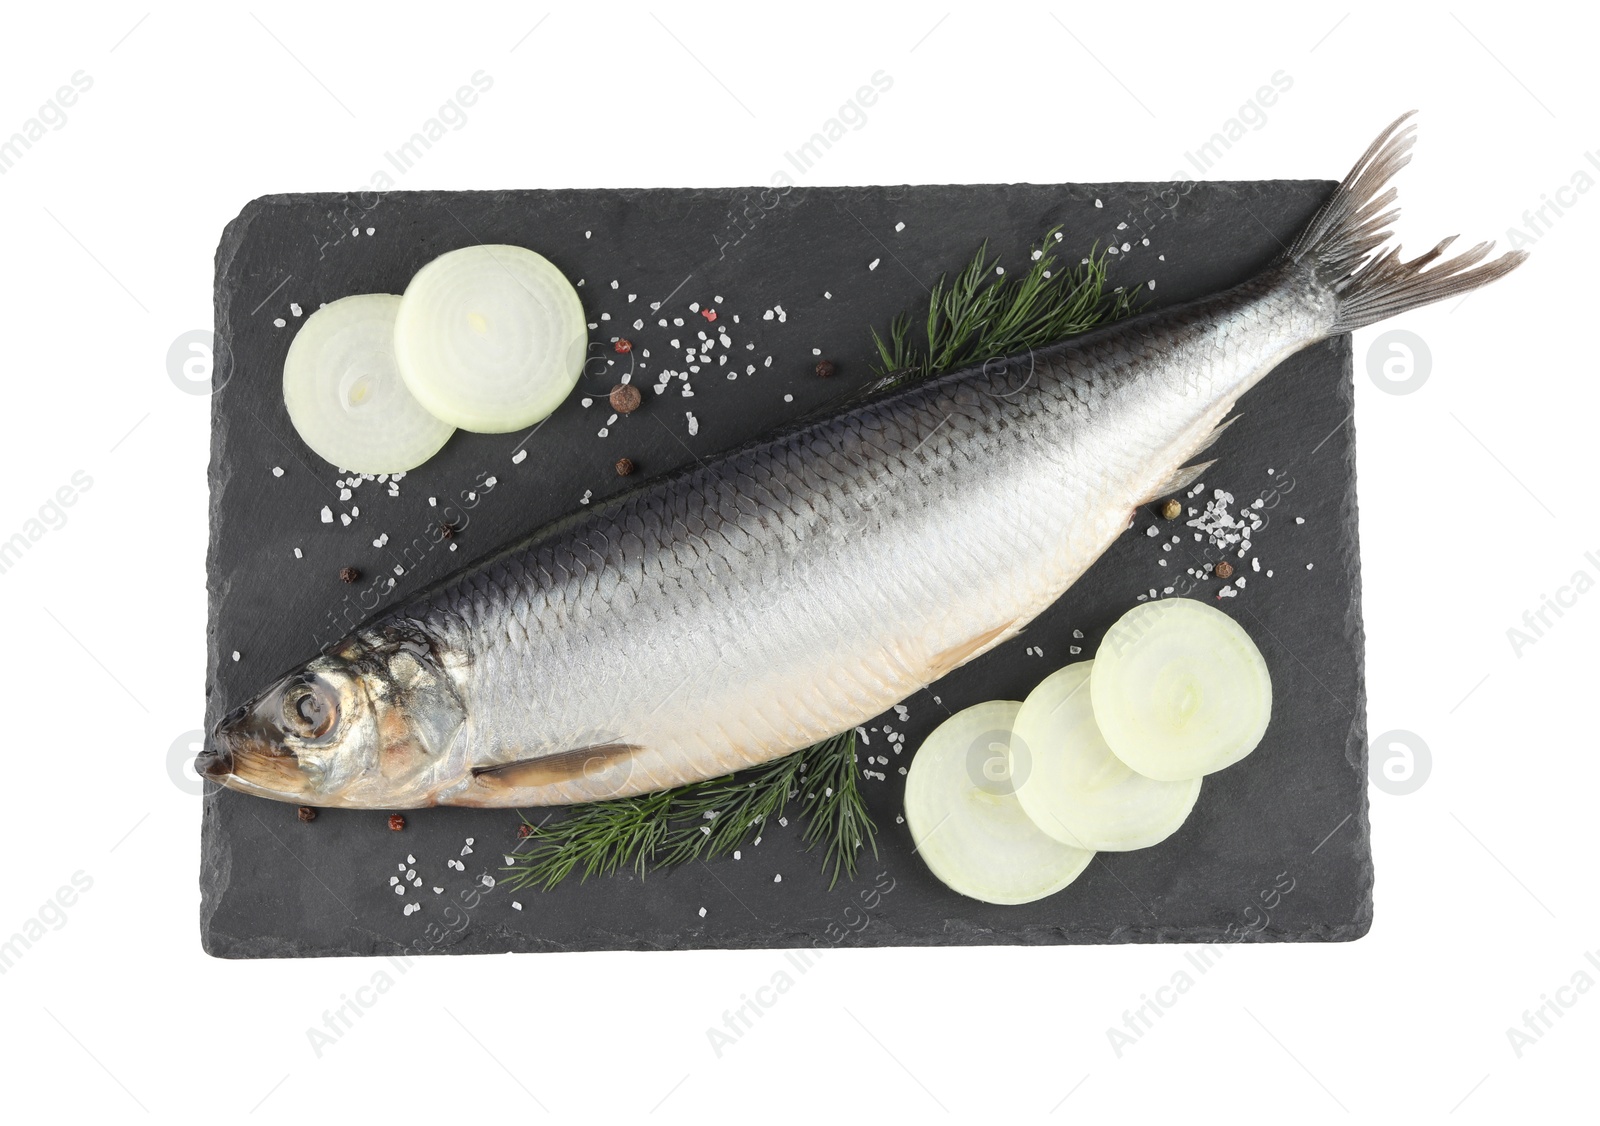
{"x":563,"y":766}
{"x":948,"y":660}
{"x":1182,"y":478}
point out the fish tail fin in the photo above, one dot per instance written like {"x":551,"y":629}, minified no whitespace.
{"x":1339,"y":244}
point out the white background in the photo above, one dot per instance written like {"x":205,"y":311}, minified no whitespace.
{"x":1477,"y":499}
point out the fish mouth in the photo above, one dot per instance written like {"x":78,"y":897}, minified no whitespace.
{"x":245,"y":754}
{"x":215,"y":763}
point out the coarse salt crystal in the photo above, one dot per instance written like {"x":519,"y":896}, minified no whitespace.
{"x":327,"y":515}
{"x":778,"y":879}
{"x":236,"y":654}
{"x":872,"y":265}
{"x":277,"y":471}
{"x":517,"y":458}
{"x":702,"y":912}
{"x":297,"y":554}
{"x":515,"y":906}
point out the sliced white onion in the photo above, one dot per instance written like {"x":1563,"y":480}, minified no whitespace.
{"x":490,"y":338}
{"x":967,"y":824}
{"x":345,"y":395}
{"x":1071,"y":784}
{"x":1180,"y":690}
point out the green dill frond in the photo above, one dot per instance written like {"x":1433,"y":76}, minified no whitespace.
{"x":704,"y":820}
{"x":986,"y":313}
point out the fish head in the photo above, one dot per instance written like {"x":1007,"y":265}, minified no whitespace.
{"x":369,"y":724}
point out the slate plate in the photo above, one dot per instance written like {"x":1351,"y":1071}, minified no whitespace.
{"x":1277,"y":847}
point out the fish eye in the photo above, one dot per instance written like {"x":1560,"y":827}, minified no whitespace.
{"x":310,"y":709}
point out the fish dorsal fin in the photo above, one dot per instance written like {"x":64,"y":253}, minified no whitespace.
{"x":1179,"y":481}
{"x":563,"y":766}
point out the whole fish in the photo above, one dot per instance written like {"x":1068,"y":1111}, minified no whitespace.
{"x":790,"y":590}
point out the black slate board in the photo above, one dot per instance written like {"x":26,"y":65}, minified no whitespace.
{"x":1277,"y":847}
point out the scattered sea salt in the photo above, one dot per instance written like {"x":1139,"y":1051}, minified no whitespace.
{"x":515,"y":906}
{"x":872,"y":265}
{"x":1299,"y":519}
{"x":277,"y":471}
{"x":694,"y":423}
{"x":279,"y":322}
{"x":702,"y":912}
{"x":327,"y":515}
{"x":236,"y":654}
{"x":517,"y":458}
{"x":778,"y":879}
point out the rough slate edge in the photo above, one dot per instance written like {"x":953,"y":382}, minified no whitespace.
{"x":487,"y":936}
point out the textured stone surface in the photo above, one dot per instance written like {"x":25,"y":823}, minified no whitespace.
{"x":1294,"y":813}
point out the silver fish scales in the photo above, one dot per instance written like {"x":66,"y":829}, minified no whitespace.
{"x":793,"y":589}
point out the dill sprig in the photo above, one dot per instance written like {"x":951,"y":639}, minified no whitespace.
{"x":985,"y":313}
{"x":706,"y":819}
{"x":982,"y":314}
